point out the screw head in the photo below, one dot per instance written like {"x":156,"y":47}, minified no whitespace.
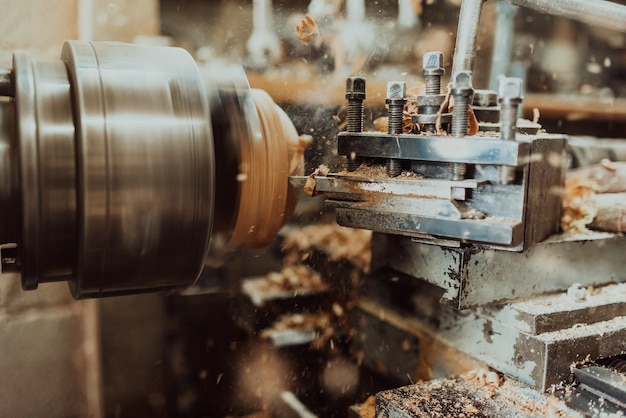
{"x":510,"y":88}
{"x":433,"y":59}
{"x":462,"y":80}
{"x":432,"y":63}
{"x":355,"y":88}
{"x":396,"y":90}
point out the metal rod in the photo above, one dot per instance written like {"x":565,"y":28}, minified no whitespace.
{"x":502,"y":43}
{"x":466,"y":34}
{"x":601,"y":13}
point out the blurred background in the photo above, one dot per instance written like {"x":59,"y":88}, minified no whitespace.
{"x":205,"y":353}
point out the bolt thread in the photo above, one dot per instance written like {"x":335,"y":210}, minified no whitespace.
{"x":460,"y":116}
{"x":355,"y":115}
{"x":506,"y":174}
{"x":458,"y":171}
{"x":395,"y":119}
{"x":394,"y":168}
{"x":508,"y":121}
{"x":432,"y":84}
{"x":352,"y":164}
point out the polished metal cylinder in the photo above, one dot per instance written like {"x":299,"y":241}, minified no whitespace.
{"x":109,"y":168}
{"x":466,"y":35}
{"x":47,"y":168}
{"x":146,"y":167}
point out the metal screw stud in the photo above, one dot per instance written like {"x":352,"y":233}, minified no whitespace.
{"x":432,"y":65}
{"x":510,"y":93}
{"x":510,"y":99}
{"x":396,"y":99}
{"x":355,"y":94}
{"x":461,"y":92}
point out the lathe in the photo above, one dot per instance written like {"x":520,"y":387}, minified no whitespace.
{"x":130,"y":169}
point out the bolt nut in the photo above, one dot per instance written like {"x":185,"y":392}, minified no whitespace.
{"x":432,"y":63}
{"x":396,"y":90}
{"x":355,"y":88}
{"x":510,"y":88}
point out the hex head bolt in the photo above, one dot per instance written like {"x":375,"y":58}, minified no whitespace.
{"x":396,"y":99}
{"x":510,"y":99}
{"x":461,"y":92}
{"x":355,"y":94}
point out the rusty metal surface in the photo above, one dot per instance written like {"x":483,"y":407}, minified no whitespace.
{"x":467,"y":397}
{"x":535,"y":340}
{"x":542,"y":356}
{"x":610,"y":385}
{"x":386,"y":349}
{"x":478,"y":276}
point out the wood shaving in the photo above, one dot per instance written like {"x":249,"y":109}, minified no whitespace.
{"x":485,"y":378}
{"x":366,"y":409}
{"x":378,"y":171}
{"x":440,"y":112}
{"x":337,"y":241}
{"x":473,"y":122}
{"x":606,"y":177}
{"x":608,"y":164}
{"x":381,"y":124}
{"x":579,"y":208}
{"x":310,"y":184}
{"x":295,"y":277}
{"x":536,"y":115}
{"x":410,"y":109}
{"x":306,"y":30}
{"x":290,"y":279}
{"x":297,"y":152}
{"x":458,"y":397}
{"x":593,"y":198}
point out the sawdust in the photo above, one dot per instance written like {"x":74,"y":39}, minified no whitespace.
{"x":579,"y":208}
{"x":293,"y":278}
{"x":375,"y":171}
{"x":480,"y":393}
{"x":592,"y":193}
{"x":437,"y":399}
{"x":336,"y":241}
{"x":366,"y":409}
{"x":484,"y":378}
{"x":310,"y":184}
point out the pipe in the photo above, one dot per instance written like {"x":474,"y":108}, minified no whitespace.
{"x":502,"y":43}
{"x":601,"y":13}
{"x":467,"y":32}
